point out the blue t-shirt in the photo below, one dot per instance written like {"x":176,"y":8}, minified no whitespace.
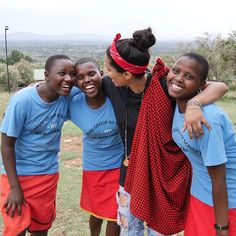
{"x":216,"y":147}
{"x":102,"y":145}
{"x":37,"y":126}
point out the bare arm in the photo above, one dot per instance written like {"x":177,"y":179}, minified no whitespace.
{"x":15,"y":198}
{"x":212,"y":92}
{"x":220,"y":196}
{"x":194,"y":116}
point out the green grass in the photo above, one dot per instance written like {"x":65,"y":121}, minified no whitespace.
{"x":69,"y":129}
{"x":230,"y":107}
{"x":4,"y":97}
{"x":71,"y":220}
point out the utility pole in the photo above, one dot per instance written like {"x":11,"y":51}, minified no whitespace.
{"x":8,"y":80}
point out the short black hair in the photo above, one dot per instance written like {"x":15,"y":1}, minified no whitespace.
{"x":202,"y":61}
{"x":87,"y":59}
{"x":51,"y":60}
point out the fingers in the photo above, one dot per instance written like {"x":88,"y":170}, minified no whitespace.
{"x":198,"y":130}
{"x":13,"y":211}
{"x":19,"y":210}
{"x":8,"y":206}
{"x":204,"y":121}
{"x":11,"y":208}
{"x":190,"y":131}
{"x":195,"y":130}
{"x":184,"y":127}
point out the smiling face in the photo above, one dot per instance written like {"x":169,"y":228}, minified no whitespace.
{"x":184,"y":79}
{"x":60,"y":77}
{"x":118,"y":78}
{"x":89,"y":79}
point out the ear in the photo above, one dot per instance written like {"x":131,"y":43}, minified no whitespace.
{"x":202,"y":85}
{"x":127,"y":75}
{"x":46,"y":75}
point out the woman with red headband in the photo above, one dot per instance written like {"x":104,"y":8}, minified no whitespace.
{"x":159,"y":175}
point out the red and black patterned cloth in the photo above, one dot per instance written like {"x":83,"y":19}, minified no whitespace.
{"x":159,"y":174}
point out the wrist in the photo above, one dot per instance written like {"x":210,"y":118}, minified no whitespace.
{"x":194,"y":104}
{"x":219,"y":227}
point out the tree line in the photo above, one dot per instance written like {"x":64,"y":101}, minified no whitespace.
{"x":220,"y":52}
{"x":21,"y":71}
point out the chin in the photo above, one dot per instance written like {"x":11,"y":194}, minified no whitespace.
{"x":63,"y":93}
{"x":118,"y":85}
{"x":171,"y":94}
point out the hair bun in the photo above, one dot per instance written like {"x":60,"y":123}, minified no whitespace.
{"x":143,"y":39}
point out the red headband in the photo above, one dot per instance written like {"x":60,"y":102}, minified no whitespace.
{"x":134,"y":69}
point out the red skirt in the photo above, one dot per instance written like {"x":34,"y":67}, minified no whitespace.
{"x":201,"y":219}
{"x":40,"y":209}
{"x":98,"y":194}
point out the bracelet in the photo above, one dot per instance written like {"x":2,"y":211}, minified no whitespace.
{"x":194,"y":107}
{"x":194,"y":103}
{"x":221,"y":227}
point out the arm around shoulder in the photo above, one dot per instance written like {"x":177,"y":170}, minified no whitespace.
{"x":194,"y":118}
{"x":212,"y":92}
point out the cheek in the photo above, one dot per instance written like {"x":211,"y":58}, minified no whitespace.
{"x":78,"y":83}
{"x":170,"y":76}
{"x":98,"y":81}
{"x":120,"y":81}
{"x":116,"y":79}
{"x":110,"y":74}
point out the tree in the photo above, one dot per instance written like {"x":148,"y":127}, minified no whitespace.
{"x":26,"y":72}
{"x":220,"y":53}
{"x":28,"y":58}
{"x":231,"y":49}
{"x":2,"y":60}
{"x":15,"y":57}
{"x":13,"y":77}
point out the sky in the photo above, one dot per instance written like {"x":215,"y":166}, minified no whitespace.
{"x":169,"y":19}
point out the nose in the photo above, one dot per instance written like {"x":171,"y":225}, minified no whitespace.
{"x":68,"y":78}
{"x":87,"y":79}
{"x":179,"y":78}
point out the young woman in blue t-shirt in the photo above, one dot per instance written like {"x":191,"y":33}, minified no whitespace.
{"x":92,"y":112}
{"x":213,"y":156}
{"x":31,"y":132}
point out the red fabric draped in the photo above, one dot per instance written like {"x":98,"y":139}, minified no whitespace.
{"x":159,"y":175}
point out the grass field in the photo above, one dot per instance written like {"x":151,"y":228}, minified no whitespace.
{"x":70,"y":219}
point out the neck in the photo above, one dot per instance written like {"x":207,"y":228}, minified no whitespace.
{"x":138,"y":85}
{"x":97,"y":101}
{"x":182,"y":103}
{"x":182,"y":106}
{"x":46,"y":94}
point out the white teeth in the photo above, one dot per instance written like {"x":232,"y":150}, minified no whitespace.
{"x":89,"y":87}
{"x":176,"y":86}
{"x":65,"y":86}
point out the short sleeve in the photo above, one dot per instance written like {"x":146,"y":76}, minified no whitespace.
{"x":15,"y":116}
{"x":74,"y":91}
{"x":212,"y":146}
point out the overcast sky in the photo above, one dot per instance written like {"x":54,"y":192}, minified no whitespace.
{"x":172,"y":19}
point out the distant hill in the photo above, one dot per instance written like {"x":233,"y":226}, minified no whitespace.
{"x":40,"y":47}
{"x":26,"y":36}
